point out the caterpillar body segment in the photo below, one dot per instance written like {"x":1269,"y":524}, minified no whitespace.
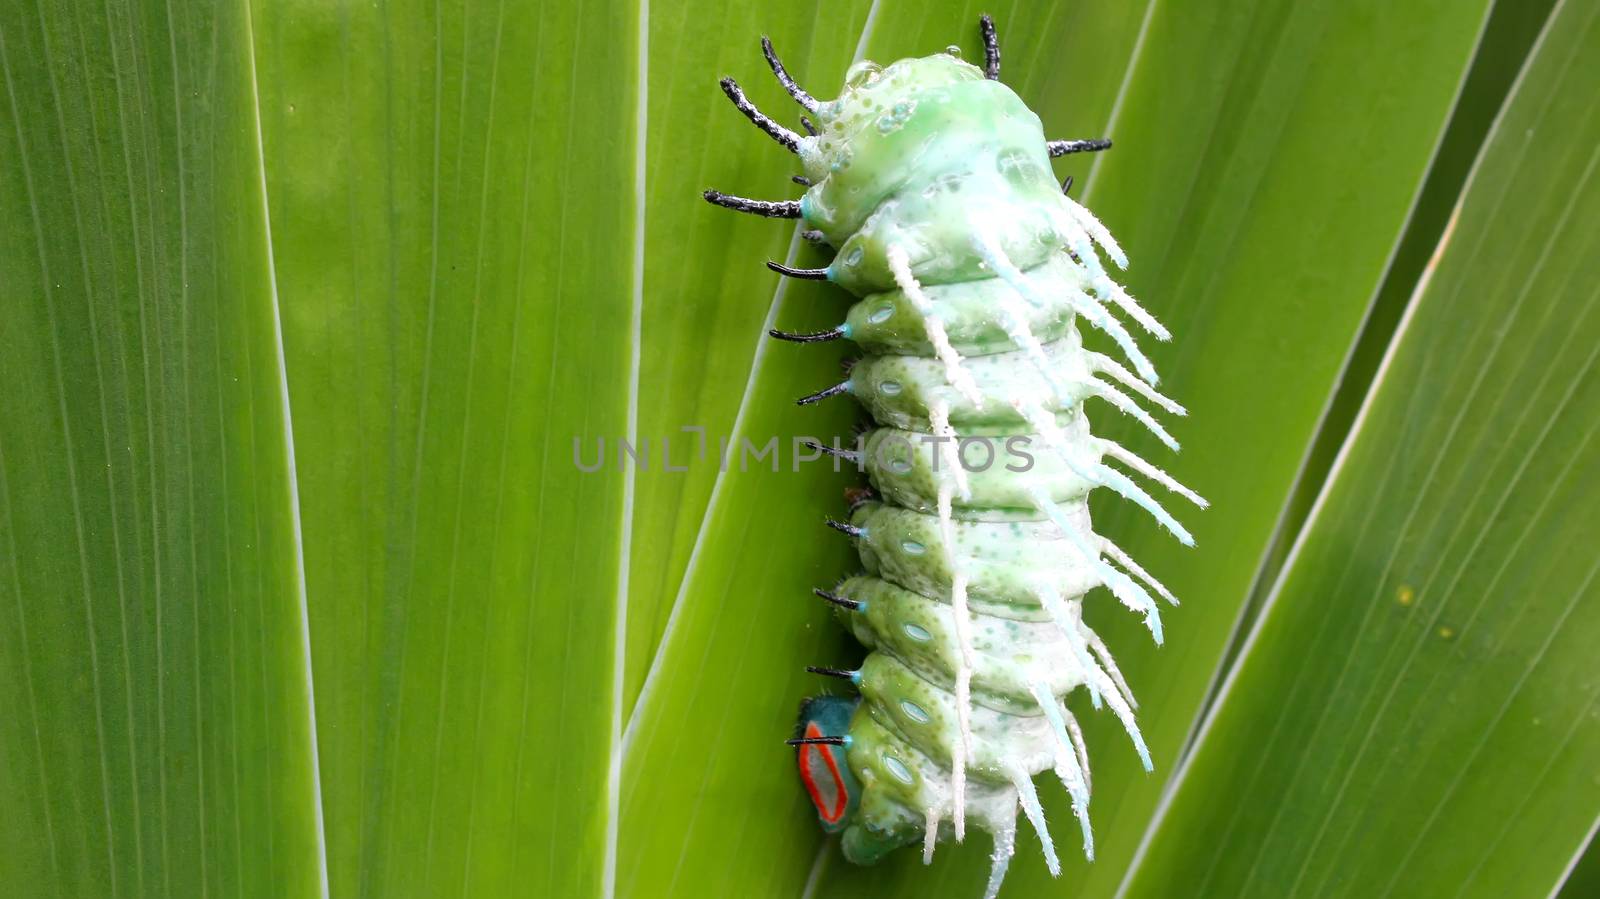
{"x":932,"y":180}
{"x":889,"y":323}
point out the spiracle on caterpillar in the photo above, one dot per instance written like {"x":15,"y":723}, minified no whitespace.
{"x":932,"y":181}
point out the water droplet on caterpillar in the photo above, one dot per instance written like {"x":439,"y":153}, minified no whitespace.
{"x":862,"y":74}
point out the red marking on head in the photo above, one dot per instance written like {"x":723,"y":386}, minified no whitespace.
{"x":823,"y":780}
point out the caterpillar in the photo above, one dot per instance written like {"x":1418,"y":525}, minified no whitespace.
{"x":931,"y":181}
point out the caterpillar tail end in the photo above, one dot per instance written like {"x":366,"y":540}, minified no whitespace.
{"x":824,"y":768}
{"x":836,"y":792}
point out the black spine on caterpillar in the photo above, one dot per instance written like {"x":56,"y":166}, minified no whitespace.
{"x":973,"y":266}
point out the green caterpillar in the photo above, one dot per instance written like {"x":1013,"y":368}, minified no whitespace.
{"x":932,"y":179}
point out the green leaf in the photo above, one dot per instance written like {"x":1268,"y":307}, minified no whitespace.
{"x":1417,"y":711}
{"x":153,"y":657}
{"x":707,"y":292}
{"x":1507,"y":37}
{"x":1584,"y":877}
{"x":452,"y":196}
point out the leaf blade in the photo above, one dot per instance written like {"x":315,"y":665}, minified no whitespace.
{"x":1447,"y":653}
{"x":458,"y":329}
{"x":708,"y":293}
{"x":148,"y":493}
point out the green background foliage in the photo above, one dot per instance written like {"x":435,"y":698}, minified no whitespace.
{"x":301,"y":591}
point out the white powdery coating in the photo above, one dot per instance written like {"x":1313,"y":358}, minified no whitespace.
{"x":1067,"y":765}
{"x":1071,"y":232}
{"x":1137,"y":570}
{"x":1138,"y":313}
{"x":1133,"y":461}
{"x":1058,"y":610}
{"x":1042,"y":421}
{"x":1128,"y":407}
{"x":939,"y":421}
{"x":964,"y":660}
{"x":964,"y":717}
{"x":1102,"y":363}
{"x":1097,"y":316}
{"x":1015,"y":317}
{"x":1075,"y":731}
{"x":1005,"y":845}
{"x":1029,"y":799}
{"x":1121,"y":586}
{"x":958,"y":789}
{"x":1124,"y":712}
{"x":1101,"y":234}
{"x":900,"y":267}
{"x":1127,"y":489}
{"x":1016,"y":325}
{"x":1109,"y":665}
